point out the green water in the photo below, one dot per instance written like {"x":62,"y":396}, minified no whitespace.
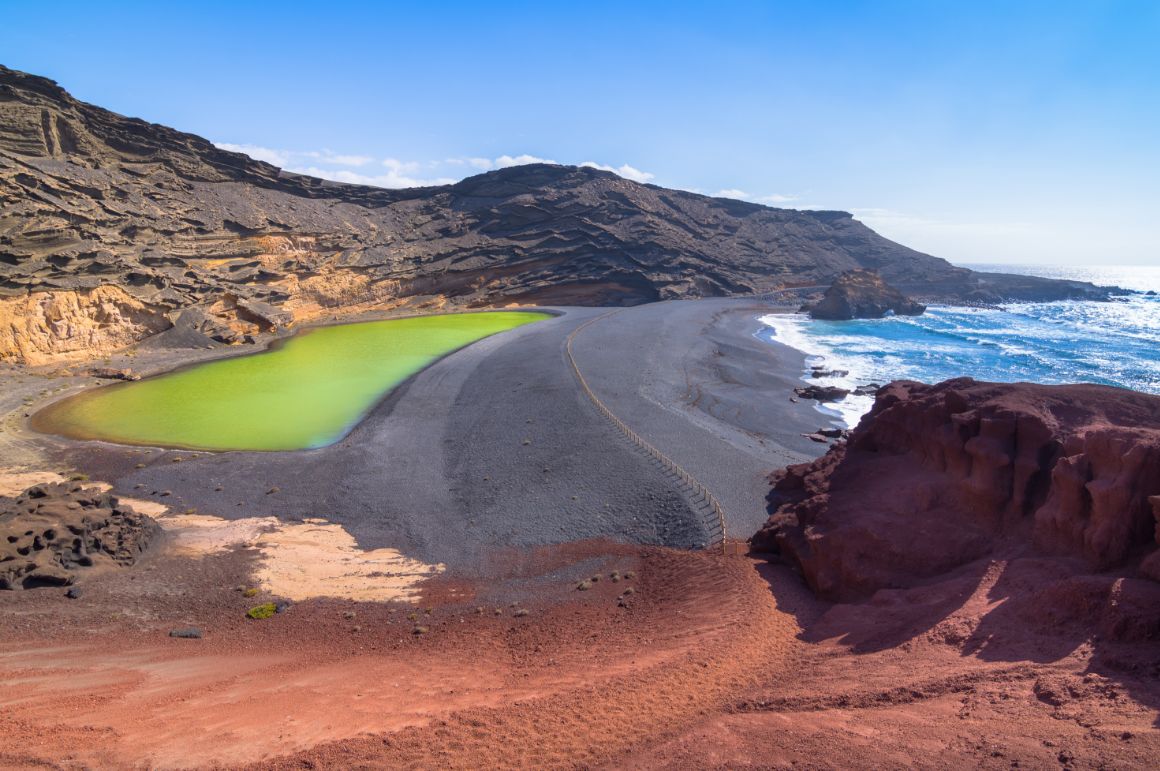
{"x":308,"y":392}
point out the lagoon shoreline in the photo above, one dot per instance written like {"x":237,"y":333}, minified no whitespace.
{"x":462,"y":446}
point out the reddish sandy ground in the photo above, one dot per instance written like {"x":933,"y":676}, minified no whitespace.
{"x":711,"y":662}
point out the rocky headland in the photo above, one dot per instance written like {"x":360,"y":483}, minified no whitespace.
{"x":116,"y":230}
{"x":938,"y":478}
{"x":862,"y":294}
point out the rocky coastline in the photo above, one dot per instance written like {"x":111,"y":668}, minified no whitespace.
{"x":936,"y":477}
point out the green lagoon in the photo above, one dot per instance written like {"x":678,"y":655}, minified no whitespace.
{"x":308,"y":391}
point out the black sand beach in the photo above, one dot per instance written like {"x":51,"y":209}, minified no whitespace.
{"x":496,"y":445}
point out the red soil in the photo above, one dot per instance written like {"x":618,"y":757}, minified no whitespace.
{"x":714,"y":661}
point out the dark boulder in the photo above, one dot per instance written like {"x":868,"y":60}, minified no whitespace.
{"x":51,"y":533}
{"x":822,"y":393}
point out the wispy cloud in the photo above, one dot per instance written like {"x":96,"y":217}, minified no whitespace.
{"x":391,"y":178}
{"x":507,"y":161}
{"x":284,"y":158}
{"x":773,"y":199}
{"x":889,"y":220}
{"x":339,"y":167}
{"x":277,"y":157}
{"x":626,"y":171}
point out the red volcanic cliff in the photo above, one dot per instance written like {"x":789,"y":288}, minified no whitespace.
{"x":937,"y":476}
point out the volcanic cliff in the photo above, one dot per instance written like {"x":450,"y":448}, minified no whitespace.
{"x":113,"y":229}
{"x":935,"y":477}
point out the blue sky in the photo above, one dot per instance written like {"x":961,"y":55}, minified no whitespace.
{"x":977,"y":131}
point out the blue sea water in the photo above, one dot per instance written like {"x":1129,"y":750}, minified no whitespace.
{"x":1113,"y":343}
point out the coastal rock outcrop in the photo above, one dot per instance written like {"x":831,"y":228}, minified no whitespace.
{"x":936,"y":476}
{"x":94,"y":201}
{"x":51,"y":532}
{"x":822,"y":393}
{"x":862,"y":294}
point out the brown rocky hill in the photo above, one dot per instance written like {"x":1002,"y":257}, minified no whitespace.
{"x":113,"y":229}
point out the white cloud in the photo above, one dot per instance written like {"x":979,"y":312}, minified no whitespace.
{"x":345,"y":160}
{"x":276,"y":157}
{"x":401,"y":167}
{"x":770,"y":200}
{"x":283,"y":158}
{"x":626,"y":171}
{"x":328,"y":164}
{"x":392,"y":178}
{"x":507,"y":161}
{"x":896,"y":221}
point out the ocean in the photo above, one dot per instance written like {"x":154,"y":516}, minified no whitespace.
{"x":1113,"y":343}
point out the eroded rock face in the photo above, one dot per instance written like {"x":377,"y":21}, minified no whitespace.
{"x":935,"y":476}
{"x":93,"y":200}
{"x":51,"y":533}
{"x":862,"y":294}
{"x":62,"y":325}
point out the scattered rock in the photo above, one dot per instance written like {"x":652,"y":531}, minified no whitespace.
{"x":107,"y":373}
{"x":74,"y":593}
{"x":186,"y":633}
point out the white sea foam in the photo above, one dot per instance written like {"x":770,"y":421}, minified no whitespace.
{"x":1115,"y":343}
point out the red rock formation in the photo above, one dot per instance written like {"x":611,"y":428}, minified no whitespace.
{"x":937,"y":476}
